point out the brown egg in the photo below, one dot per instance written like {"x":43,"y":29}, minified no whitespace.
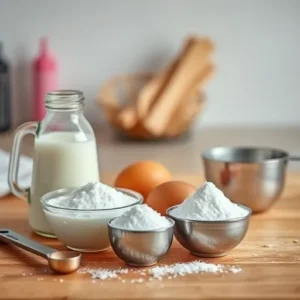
{"x":143,"y":177}
{"x":169,"y":194}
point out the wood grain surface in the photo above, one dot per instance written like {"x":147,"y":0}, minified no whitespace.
{"x":269,"y":257}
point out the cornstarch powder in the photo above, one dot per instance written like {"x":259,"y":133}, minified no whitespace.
{"x":94,"y":195}
{"x":141,"y":217}
{"x":208,"y":204}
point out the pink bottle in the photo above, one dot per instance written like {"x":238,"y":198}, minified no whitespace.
{"x":44,"y":79}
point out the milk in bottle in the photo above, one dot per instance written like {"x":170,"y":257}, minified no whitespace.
{"x":65,"y":153}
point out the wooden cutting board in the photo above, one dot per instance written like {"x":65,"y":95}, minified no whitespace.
{"x":269,"y":257}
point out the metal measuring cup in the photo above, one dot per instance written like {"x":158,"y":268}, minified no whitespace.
{"x":62,"y":262}
{"x":252,"y":176}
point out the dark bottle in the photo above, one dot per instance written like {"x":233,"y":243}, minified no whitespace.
{"x":5,"y":113}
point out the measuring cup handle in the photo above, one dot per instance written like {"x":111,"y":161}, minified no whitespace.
{"x":13,"y":169}
{"x":11,"y":237}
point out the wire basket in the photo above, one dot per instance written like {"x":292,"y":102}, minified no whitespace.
{"x":122,"y":91}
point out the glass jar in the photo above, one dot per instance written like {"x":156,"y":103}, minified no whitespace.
{"x":65,"y":153}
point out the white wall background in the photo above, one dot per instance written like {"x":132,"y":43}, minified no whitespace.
{"x":257,"y":54}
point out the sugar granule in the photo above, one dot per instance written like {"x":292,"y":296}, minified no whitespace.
{"x":235,"y":270}
{"x":158,"y":272}
{"x":193,"y":267}
{"x":103,"y":273}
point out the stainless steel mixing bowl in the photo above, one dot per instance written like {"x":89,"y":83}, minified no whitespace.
{"x":140,"y":248}
{"x":210,"y":238}
{"x":254,"y":177}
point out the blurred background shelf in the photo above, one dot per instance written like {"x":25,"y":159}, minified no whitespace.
{"x":180,"y":155}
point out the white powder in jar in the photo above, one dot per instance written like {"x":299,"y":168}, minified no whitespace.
{"x":208,"y":203}
{"x":141,"y":217}
{"x":94,"y":195}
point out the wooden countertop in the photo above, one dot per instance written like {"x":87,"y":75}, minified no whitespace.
{"x":269,"y":257}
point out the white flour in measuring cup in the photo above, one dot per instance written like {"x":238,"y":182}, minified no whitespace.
{"x":80,"y":219}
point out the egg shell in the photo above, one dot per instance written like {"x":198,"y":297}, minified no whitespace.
{"x":143,"y":177}
{"x":169,"y":194}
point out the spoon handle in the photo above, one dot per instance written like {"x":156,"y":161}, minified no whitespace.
{"x":11,"y":237}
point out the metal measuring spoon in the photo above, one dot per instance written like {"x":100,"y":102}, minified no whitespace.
{"x":59,"y":261}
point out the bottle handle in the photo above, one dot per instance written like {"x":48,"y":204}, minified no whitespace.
{"x":14,"y":159}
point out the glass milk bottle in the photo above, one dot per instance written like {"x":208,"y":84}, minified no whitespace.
{"x":65,"y":153}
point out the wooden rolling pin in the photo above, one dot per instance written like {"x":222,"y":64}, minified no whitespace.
{"x":181,"y":80}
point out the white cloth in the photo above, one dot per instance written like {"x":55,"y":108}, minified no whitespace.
{"x":25,"y":169}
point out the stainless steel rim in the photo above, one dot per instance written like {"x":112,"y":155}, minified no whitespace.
{"x":206,"y":154}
